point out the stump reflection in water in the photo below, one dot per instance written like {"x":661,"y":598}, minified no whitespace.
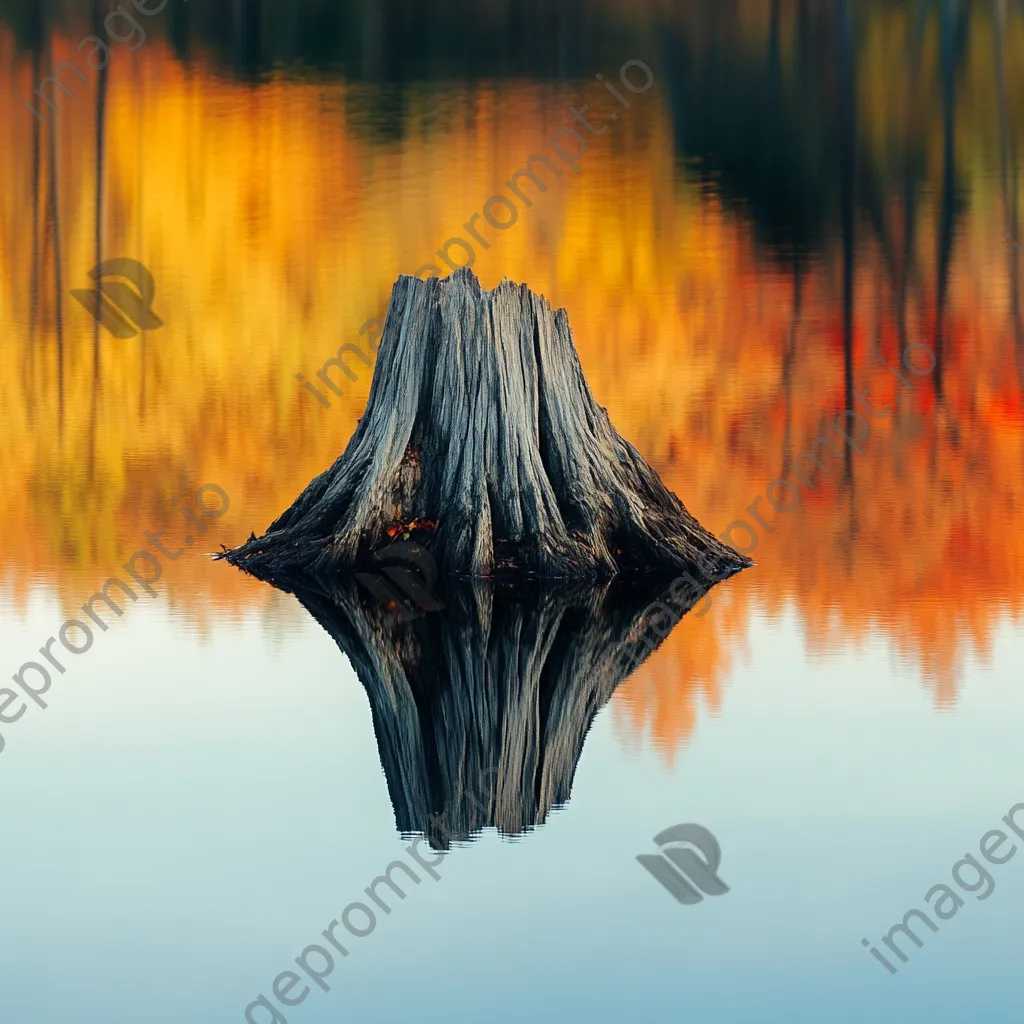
{"x":481,"y":709}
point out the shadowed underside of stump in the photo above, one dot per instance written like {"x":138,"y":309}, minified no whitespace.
{"x":481,"y":426}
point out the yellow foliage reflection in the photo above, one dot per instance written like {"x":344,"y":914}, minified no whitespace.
{"x":275,"y":223}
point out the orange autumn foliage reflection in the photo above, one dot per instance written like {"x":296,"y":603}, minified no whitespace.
{"x":275,"y":223}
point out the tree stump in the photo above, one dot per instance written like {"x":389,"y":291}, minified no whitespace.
{"x":481,"y":440}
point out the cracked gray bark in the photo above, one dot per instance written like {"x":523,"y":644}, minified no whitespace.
{"x":480,"y":421}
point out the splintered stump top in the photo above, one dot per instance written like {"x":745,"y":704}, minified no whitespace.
{"x":481,"y":438}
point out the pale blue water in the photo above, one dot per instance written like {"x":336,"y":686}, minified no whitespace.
{"x":256,"y":811}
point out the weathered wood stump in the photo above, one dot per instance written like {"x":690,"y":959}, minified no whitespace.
{"x":481,"y":709}
{"x":482,"y":441}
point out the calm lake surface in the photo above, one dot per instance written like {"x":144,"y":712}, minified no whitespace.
{"x":804,"y":192}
